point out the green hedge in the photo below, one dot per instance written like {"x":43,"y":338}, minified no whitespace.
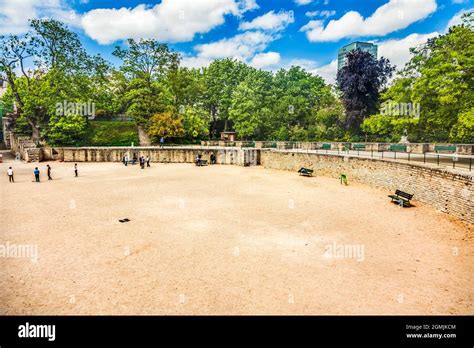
{"x":112,"y":133}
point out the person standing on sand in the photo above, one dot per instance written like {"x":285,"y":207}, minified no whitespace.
{"x":37,"y":174}
{"x":10,"y":175}
{"x":75,"y":170}
{"x":148,"y":161}
{"x":49,"y":172}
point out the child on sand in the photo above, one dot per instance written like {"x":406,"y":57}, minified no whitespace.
{"x":37,"y":174}
{"x":10,"y":175}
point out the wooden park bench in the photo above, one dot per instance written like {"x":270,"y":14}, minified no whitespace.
{"x":401,"y":198}
{"x":306,"y":171}
{"x":445,"y":148}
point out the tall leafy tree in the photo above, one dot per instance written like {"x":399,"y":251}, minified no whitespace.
{"x":251,"y":104}
{"x":220,"y":80}
{"x":361,"y":81}
{"x":60,"y":69}
{"x":146,"y":67}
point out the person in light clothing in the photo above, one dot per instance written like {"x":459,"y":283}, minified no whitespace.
{"x":10,"y":175}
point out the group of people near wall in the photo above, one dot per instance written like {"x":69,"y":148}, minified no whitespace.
{"x":142,"y":160}
{"x":198,"y":160}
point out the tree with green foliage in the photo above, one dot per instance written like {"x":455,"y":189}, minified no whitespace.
{"x":196,"y":122}
{"x":296,"y":96}
{"x":250,"y":107}
{"x":146,"y":67}
{"x":440,"y":78}
{"x":221,"y":77}
{"x":66,"y":130}
{"x":62,"y":70}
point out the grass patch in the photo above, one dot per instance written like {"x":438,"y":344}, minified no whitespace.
{"x":112,"y":133}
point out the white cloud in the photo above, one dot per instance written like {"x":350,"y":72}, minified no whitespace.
{"x":390,"y":17}
{"x":303,"y":2}
{"x":456,"y":20}
{"x":264,"y":60}
{"x":195,"y":62}
{"x":270,"y":21}
{"x":328,"y":72}
{"x":398,"y":50}
{"x":324,"y":14}
{"x":242,"y":46}
{"x":14,"y":14}
{"x":248,"y":5}
{"x":168,"y":21}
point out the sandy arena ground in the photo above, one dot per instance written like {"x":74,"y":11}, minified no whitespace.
{"x":223,"y":240}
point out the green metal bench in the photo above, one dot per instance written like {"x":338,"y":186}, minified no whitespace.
{"x":326,"y":147}
{"x":306,"y":171}
{"x":398,"y":148}
{"x":358,"y":147}
{"x":445,"y":148}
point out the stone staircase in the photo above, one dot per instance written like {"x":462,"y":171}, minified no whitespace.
{"x":143,"y":137}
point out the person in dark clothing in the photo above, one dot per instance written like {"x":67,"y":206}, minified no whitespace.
{"x":37,"y":174}
{"x":142,"y":162}
{"x":49,"y":172}
{"x":213,"y":158}
{"x":75,"y":170}
{"x":148,"y":162}
{"x":134,"y":160}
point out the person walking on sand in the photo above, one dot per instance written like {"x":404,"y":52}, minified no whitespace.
{"x":75,"y":170}
{"x":148,"y":161}
{"x":49,"y":172}
{"x":37,"y":174}
{"x":10,"y":175}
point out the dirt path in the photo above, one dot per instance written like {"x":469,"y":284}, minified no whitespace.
{"x":223,"y":240}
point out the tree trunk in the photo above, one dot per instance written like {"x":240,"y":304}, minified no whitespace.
{"x":35,"y":136}
{"x":11,"y":82}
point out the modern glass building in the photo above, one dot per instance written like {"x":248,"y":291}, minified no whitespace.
{"x":364,"y":46}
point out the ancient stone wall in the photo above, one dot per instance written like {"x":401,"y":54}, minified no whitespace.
{"x":450,"y":192}
{"x":235,"y":156}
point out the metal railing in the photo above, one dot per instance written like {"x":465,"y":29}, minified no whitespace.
{"x":441,"y":160}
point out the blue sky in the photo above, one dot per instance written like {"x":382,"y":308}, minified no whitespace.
{"x":267,"y":34}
